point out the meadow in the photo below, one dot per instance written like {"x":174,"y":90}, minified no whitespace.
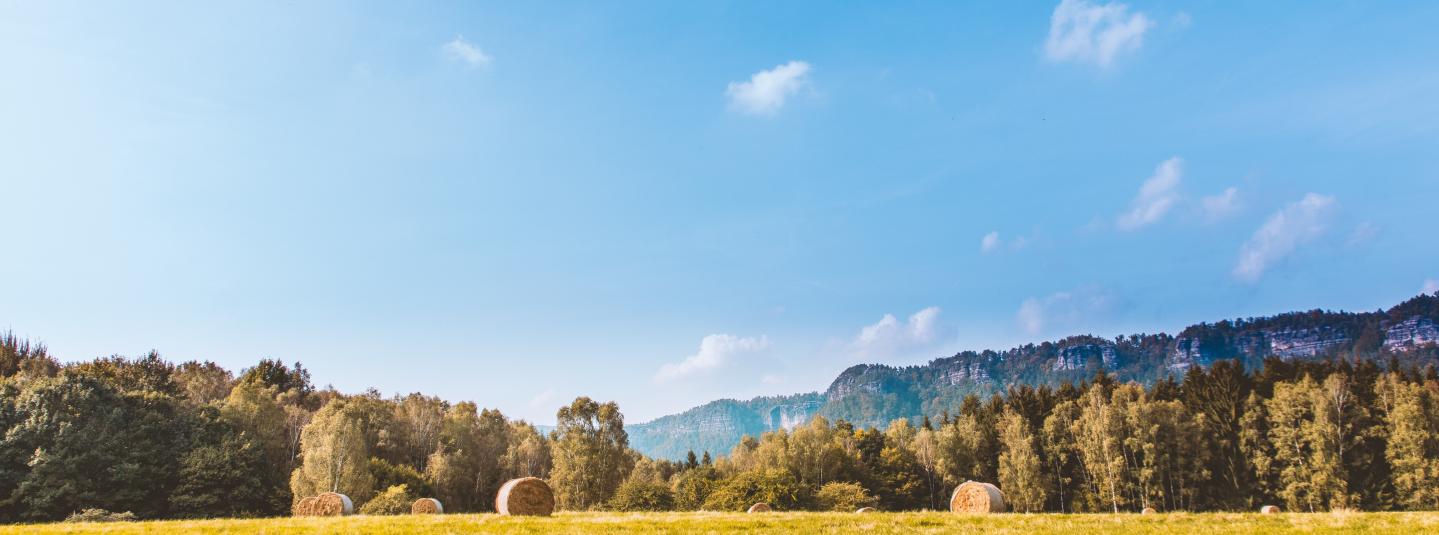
{"x":805,"y":522}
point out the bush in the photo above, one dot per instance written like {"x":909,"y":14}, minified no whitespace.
{"x":388,"y":475}
{"x":843,"y":496}
{"x":635,"y":495}
{"x":693,"y":487}
{"x":395,"y":500}
{"x":100,"y":515}
{"x":776,"y":487}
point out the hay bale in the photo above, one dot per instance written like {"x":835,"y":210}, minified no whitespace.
{"x":759,"y":508}
{"x":305,"y":507}
{"x":525,"y":496}
{"x":333,"y":504}
{"x":866,"y":510}
{"x":1269,"y":509}
{"x":976,"y":497}
{"x":1148,"y":511}
{"x":427,"y":506}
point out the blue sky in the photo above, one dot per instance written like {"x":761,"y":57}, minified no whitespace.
{"x":666,"y":203}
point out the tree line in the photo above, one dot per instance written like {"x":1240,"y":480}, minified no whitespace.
{"x":163,"y":440}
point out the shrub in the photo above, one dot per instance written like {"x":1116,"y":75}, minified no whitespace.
{"x":388,"y":475}
{"x":395,"y":500}
{"x":843,"y":496}
{"x":693,"y":487}
{"x":636,"y":495}
{"x":776,"y":487}
{"x":100,"y":515}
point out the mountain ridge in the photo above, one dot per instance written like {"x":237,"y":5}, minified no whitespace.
{"x":875,"y":394}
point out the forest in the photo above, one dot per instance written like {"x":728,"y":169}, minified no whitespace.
{"x":162,"y":440}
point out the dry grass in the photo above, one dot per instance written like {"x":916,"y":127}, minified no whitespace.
{"x":781,"y":522}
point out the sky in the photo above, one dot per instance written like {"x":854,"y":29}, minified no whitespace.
{"x":666,"y":203}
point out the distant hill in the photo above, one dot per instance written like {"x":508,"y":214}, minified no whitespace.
{"x":875,"y":394}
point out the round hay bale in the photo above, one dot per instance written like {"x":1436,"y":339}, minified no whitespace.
{"x":525,"y":496}
{"x":1269,"y":509}
{"x":1148,"y":511}
{"x":866,"y":510}
{"x":333,"y":504}
{"x":976,"y":497}
{"x":305,"y":507}
{"x":427,"y":506}
{"x":760,"y":508}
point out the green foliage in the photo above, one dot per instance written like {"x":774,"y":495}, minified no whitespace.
{"x":641,"y":495}
{"x":390,"y":475}
{"x":336,"y":454}
{"x":224,"y":474}
{"x":843,"y":496}
{"x":591,"y":454}
{"x":693,"y":487}
{"x":466,"y":470}
{"x":778,"y":488}
{"x":394,"y":500}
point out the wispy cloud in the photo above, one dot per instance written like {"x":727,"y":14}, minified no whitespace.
{"x":1155,"y":198}
{"x":766,"y":91}
{"x":1087,"y":32}
{"x":1216,"y":207}
{"x":989,"y":243}
{"x":466,"y":52}
{"x":1063,"y":308}
{"x":889,"y":336}
{"x":1296,"y":224}
{"x":992,"y":242}
{"x":715,"y":351}
{"x":1430,"y":286}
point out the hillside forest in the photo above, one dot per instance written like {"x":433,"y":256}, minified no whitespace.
{"x":164,"y":440}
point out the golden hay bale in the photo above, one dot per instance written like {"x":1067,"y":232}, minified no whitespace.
{"x":866,"y":510}
{"x":525,"y":496}
{"x":759,"y":508}
{"x":976,"y":497}
{"x":427,"y":506}
{"x":1148,"y":511}
{"x":305,"y":507}
{"x":1269,"y":509}
{"x":333,"y":504}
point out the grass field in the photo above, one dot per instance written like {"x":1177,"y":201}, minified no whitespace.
{"x":929,"y":522}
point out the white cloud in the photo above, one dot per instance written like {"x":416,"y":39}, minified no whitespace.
{"x":766,"y":91}
{"x":888,"y":335}
{"x":1219,"y":206}
{"x":771,"y":379}
{"x":1430,"y":286}
{"x":715,"y":351}
{"x":467,"y":52}
{"x":1068,"y":307}
{"x":1156,"y":196}
{"x":1286,"y":230}
{"x":1095,"y":33}
{"x":989,"y":242}
{"x":992,"y":242}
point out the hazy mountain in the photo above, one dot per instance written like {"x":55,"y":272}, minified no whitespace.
{"x":875,"y":394}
